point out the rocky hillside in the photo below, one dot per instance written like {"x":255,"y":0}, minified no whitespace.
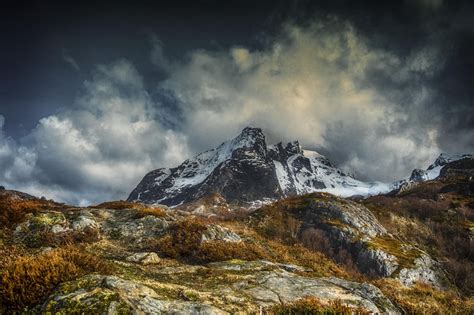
{"x":438,"y":216}
{"x":246,"y":169}
{"x":310,"y":253}
{"x":433,"y":171}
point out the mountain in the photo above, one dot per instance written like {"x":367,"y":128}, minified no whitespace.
{"x":436,"y":169}
{"x":246,"y":169}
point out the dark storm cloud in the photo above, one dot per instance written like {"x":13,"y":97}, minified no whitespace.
{"x":381,"y":88}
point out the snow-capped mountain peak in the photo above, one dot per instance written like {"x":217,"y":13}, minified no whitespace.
{"x":431,"y":173}
{"x":246,"y":169}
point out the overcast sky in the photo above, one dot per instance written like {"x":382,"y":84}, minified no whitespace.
{"x":93,"y":96}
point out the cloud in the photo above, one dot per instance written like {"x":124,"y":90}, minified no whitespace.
{"x":157,"y":55}
{"x":100,"y":149}
{"x":373,"y":111}
{"x":71,"y":61}
{"x":428,"y":4}
{"x":322,"y":84}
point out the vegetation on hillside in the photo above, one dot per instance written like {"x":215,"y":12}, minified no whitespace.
{"x":27,"y":279}
{"x":441,"y":223}
{"x":32,"y":267}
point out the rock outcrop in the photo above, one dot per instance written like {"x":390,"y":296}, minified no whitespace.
{"x":351,"y":226}
{"x":255,"y":285}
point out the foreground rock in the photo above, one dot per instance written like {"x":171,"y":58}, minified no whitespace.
{"x":144,"y":258}
{"x":113,"y":295}
{"x":275,"y":286}
{"x":249,"y":287}
{"x":350,"y":226}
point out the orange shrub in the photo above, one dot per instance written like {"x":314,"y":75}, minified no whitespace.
{"x":27,"y":280}
{"x":13,"y":211}
{"x":49,"y":238}
{"x":424,"y":299}
{"x":183,"y":239}
{"x":142,"y":210}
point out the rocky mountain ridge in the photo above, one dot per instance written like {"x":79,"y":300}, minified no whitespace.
{"x":434,"y":170}
{"x":246,"y":169}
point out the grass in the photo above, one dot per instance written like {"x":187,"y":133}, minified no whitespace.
{"x":142,"y":210}
{"x":184,"y":242}
{"x":312,"y":305}
{"x":423,"y":299}
{"x":440,"y":226}
{"x":211,"y":251}
{"x":406,"y":256}
{"x":14,"y":211}
{"x":46,"y":237}
{"x":26,"y":281}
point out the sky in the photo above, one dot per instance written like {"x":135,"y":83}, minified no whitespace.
{"x":95,"y":95}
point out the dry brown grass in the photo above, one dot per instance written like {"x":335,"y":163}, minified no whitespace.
{"x":184,"y":241}
{"x":313,"y":305}
{"x":14,"y":211}
{"x":424,"y":299}
{"x":49,"y":238}
{"x":26,"y":281}
{"x":220,"y":251}
{"x":438,"y":223}
{"x":9,"y":252}
{"x":319,"y":264}
{"x":142,"y":210}
{"x":154,"y":211}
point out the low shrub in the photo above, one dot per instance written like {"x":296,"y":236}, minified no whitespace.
{"x":9,"y":252}
{"x":312,"y":305}
{"x":142,"y":210}
{"x":14,"y":211}
{"x":26,"y":281}
{"x":48,"y":238}
{"x":145,"y":211}
{"x":221,"y":250}
{"x":183,"y":240}
{"x":424,"y":299}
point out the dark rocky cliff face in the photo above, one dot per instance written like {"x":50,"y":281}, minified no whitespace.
{"x":246,"y":169}
{"x":240,"y":170}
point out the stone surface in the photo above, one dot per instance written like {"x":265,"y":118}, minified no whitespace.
{"x":114,"y":295}
{"x":85,"y":220}
{"x":146,"y":258}
{"x":279,"y":286}
{"x":219,"y":233}
{"x":255,"y":284}
{"x":425,"y":270}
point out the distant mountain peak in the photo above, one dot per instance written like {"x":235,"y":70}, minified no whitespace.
{"x":433,"y":171}
{"x":445,"y":158}
{"x":246,"y":169}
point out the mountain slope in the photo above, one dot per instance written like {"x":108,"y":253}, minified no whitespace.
{"x":435,"y":170}
{"x":245,"y":169}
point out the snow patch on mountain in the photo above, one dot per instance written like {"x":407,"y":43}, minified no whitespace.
{"x":431,"y":173}
{"x":245,"y":169}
